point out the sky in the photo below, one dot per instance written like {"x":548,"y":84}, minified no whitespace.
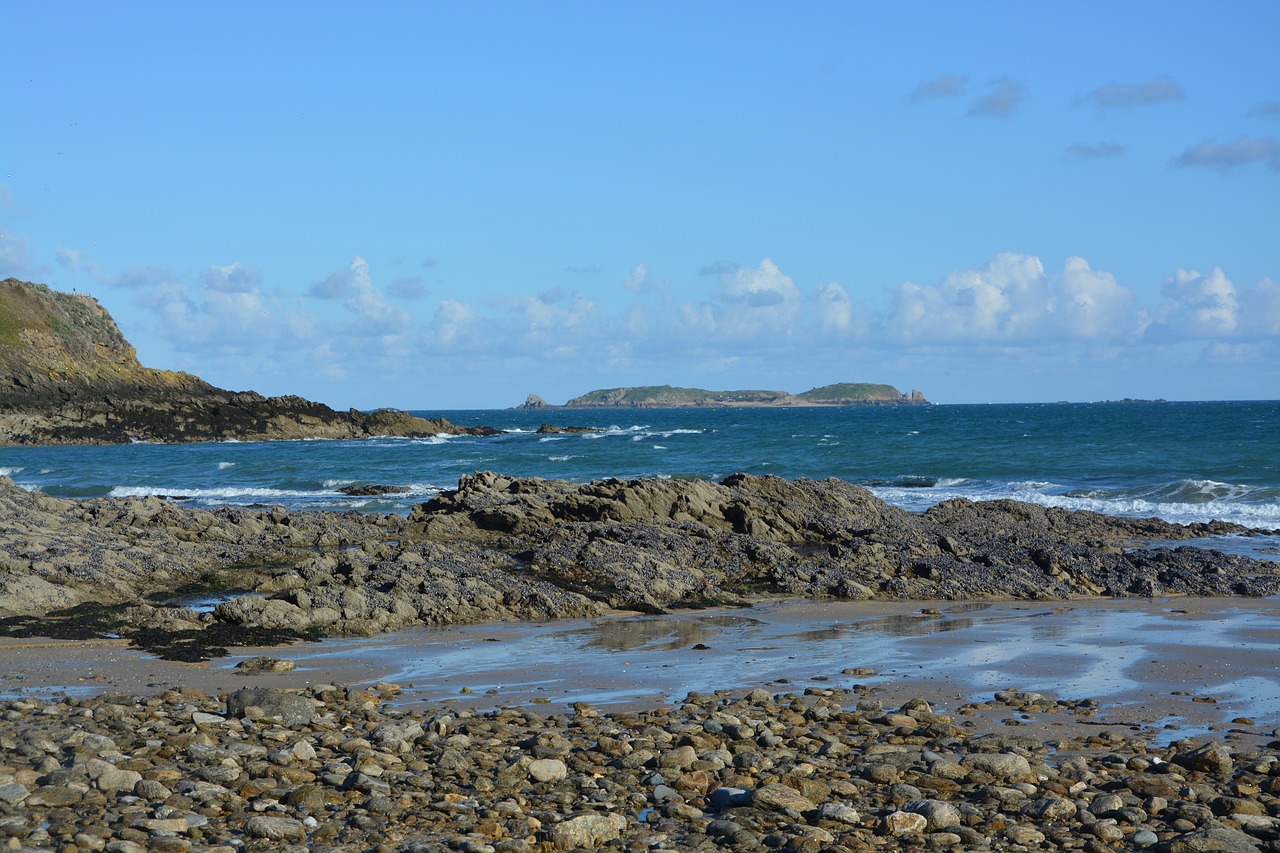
{"x":436,"y":205}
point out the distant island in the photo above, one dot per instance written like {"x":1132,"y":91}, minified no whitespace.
{"x":68,"y":376}
{"x":669,"y":397}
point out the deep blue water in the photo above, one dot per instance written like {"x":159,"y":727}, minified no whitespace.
{"x":1180,"y":461}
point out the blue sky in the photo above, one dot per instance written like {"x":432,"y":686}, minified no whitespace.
{"x":433,"y":205}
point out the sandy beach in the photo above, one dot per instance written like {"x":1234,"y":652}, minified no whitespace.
{"x":1192,"y":665}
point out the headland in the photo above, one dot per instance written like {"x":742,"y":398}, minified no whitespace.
{"x":68,"y":376}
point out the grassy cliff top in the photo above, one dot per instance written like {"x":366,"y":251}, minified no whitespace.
{"x":68,"y":343}
{"x":853,"y":391}
{"x":667,"y":396}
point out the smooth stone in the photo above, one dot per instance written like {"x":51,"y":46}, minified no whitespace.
{"x":1145,"y":838}
{"x":275,"y":828}
{"x":547,"y":770}
{"x":1002,"y":765}
{"x":939,"y":814}
{"x":727,"y":798}
{"x":778,"y":797}
{"x":588,"y":830}
{"x":905,"y":823}
{"x":13,"y":793}
{"x":291,"y":709}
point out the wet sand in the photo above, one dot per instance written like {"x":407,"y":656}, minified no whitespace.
{"x":1176,"y":666}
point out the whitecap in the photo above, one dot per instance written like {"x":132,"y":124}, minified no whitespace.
{"x":211,"y":494}
{"x":222,"y":466}
{"x":10,"y":471}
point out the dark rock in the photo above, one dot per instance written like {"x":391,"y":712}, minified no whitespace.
{"x":372,"y":490}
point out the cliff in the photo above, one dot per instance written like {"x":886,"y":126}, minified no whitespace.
{"x":68,"y":376}
{"x":668,"y":397}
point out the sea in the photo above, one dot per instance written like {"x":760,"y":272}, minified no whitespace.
{"x":1180,"y":461}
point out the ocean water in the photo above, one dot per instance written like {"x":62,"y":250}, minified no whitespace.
{"x":1182,"y":461}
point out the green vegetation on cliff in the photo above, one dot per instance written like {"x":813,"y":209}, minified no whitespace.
{"x":68,"y":376}
{"x":664,"y":396}
{"x":64,"y":346}
{"x":852,"y":392}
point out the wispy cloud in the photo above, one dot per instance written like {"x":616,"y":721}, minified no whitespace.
{"x":719,"y":268}
{"x":409,"y":287}
{"x":1125,"y":95}
{"x":942,"y":86}
{"x":1095,"y":152}
{"x":1002,"y":101}
{"x":1266,"y":109}
{"x":1231,"y":155}
{"x":16,"y":259}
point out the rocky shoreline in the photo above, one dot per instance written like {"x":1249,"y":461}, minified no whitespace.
{"x":346,"y":768}
{"x":503,"y":549}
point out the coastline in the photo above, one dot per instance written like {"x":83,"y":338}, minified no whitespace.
{"x":1195,"y":664}
{"x":851,"y":762}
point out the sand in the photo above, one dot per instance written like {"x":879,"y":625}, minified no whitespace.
{"x":1177,"y":667}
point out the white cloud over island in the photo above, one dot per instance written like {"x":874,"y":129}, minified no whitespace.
{"x":345,"y":325}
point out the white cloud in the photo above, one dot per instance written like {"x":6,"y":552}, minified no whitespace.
{"x":371,"y":314}
{"x":232,"y":278}
{"x":374,"y":315}
{"x":1211,"y":307}
{"x":638,"y":279}
{"x":76,"y":260}
{"x":455,"y":325}
{"x":834,"y":309}
{"x":1011,"y":300}
{"x":761,"y":304}
{"x":1091,"y":304}
{"x":15,"y":257}
{"x":409,"y":287}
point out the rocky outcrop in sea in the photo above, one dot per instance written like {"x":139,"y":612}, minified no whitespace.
{"x":505,"y":548}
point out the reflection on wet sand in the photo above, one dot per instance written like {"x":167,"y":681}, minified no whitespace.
{"x":657,"y":633}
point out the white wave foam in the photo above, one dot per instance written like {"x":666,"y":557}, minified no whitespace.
{"x":659,"y":447}
{"x":1250,"y":515}
{"x":10,"y":471}
{"x":1259,"y":514}
{"x":547,"y":438}
{"x":211,"y":494}
{"x":562,"y":458}
{"x":337,"y":484}
{"x":222,"y":466}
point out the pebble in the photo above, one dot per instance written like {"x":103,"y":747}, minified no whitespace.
{"x":339,"y":768}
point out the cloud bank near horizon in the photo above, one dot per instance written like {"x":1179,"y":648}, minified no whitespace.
{"x":347,"y":323}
